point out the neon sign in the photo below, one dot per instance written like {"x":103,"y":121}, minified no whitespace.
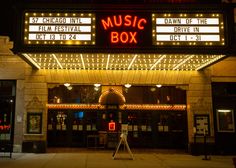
{"x":5,"y":127}
{"x":123,"y":29}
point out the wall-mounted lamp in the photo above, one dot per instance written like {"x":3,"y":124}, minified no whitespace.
{"x":224,"y":111}
{"x":69,"y":87}
{"x":158,"y":85}
{"x":97,"y":84}
{"x":127,"y":85}
{"x":66,"y":84}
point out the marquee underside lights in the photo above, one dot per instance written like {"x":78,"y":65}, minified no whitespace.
{"x":177,"y":107}
{"x":59,"y":29}
{"x":188,"y":29}
{"x":121,"y":61}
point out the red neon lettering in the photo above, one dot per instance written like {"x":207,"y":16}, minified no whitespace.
{"x":116,"y":22}
{"x":141,"y":27}
{"x":135,"y":20}
{"x":133,"y":37}
{"x":107,"y":24}
{"x":128,"y":20}
{"x":124,"y":37}
{"x":114,"y":37}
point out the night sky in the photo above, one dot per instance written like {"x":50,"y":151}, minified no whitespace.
{"x":6,"y":19}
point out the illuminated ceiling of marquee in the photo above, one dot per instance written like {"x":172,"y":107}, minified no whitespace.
{"x":104,"y":61}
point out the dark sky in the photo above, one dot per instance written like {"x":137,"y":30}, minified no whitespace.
{"x":6,"y":18}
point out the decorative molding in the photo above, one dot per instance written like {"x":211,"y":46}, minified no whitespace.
{"x":112,"y":96}
{"x":35,"y":105}
{"x":201,"y":106}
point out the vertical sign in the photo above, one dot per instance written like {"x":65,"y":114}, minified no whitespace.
{"x":188,"y":29}
{"x":59,"y":28}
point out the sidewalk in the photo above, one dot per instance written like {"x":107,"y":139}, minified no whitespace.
{"x":103,"y":159}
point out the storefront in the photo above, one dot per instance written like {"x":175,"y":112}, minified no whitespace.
{"x":7,"y":104}
{"x":163,"y":125}
{"x":166,"y":55}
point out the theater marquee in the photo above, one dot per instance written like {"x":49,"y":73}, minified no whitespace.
{"x":59,"y":28}
{"x":124,"y":29}
{"x":188,"y":29}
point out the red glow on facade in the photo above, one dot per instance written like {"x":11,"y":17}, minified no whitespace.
{"x":112,"y":126}
{"x":5,"y":127}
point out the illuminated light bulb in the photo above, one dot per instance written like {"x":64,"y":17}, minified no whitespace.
{"x":69,"y":87}
{"x":66,"y":84}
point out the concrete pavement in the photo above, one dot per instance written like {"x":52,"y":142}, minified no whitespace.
{"x":104,"y":159}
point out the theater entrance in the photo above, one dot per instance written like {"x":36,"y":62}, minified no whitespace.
{"x":99,"y":125}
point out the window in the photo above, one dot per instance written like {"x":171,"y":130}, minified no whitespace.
{"x":225,"y":120}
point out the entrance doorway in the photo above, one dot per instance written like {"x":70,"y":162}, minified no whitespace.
{"x":100,"y":126}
